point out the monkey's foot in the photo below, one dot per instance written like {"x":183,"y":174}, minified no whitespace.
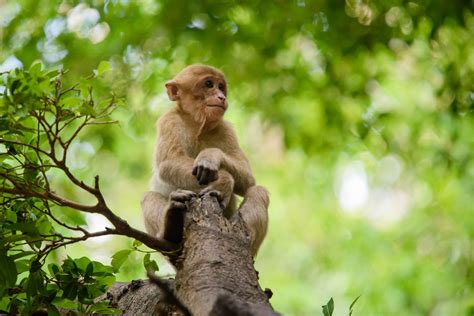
{"x":179,"y":198}
{"x":175,"y":214}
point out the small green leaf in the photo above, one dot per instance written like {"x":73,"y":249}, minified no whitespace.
{"x":69,"y":265}
{"x":11,"y":216}
{"x":104,"y":66}
{"x":8,"y":272}
{"x":328,"y":309}
{"x":149,"y":264}
{"x":119,"y":258}
{"x":83,"y":295}
{"x":35,"y":283}
{"x":64,"y":303}
{"x":22,"y":265}
{"x":101,"y":269}
{"x":44,"y":225}
{"x":89,"y":269}
{"x":4,"y":302}
{"x":352,"y":305}
{"x":53,"y":268}
{"x":70,"y":292}
{"x":53,"y":311}
{"x":14,"y":238}
{"x":82,"y":263}
{"x":137,"y":243}
{"x":22,"y":254}
{"x":35,"y":68}
{"x":103,"y":308}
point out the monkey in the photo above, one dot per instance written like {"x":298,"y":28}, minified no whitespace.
{"x":197,"y":152}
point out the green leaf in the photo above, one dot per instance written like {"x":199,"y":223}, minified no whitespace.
{"x":35,"y":283}
{"x":8,"y":272}
{"x":137,"y":243}
{"x":103,"y":308}
{"x":35,"y":68}
{"x":89,"y":269}
{"x":64,"y":303}
{"x":22,"y":254}
{"x":69,"y":265}
{"x":352,"y":305}
{"x":44,"y":225}
{"x":53,"y":311}
{"x":119,"y":258}
{"x":11,"y":216}
{"x":22,"y":265}
{"x":149,"y":264}
{"x":4,"y":301}
{"x":82,"y":263}
{"x":53,"y":268}
{"x":83,"y":295}
{"x":29,"y":228}
{"x":14,"y":238}
{"x":70,"y":292}
{"x":328,"y":309}
{"x":104,"y":66}
{"x":101,"y":269}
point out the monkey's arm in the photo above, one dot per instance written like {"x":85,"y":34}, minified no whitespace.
{"x":171,"y":162}
{"x":229,"y":157}
{"x":235,"y":163}
{"x":177,"y":172}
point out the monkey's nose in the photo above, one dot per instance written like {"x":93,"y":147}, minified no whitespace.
{"x":221,"y":97}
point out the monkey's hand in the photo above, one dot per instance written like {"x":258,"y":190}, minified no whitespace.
{"x":206,"y":165}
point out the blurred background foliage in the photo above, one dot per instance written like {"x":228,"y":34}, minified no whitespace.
{"x":358,"y":116}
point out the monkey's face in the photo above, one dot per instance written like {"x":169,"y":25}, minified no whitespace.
{"x":212,"y":97}
{"x":201,"y":91}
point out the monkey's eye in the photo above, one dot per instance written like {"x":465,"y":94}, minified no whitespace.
{"x":221,"y":87}
{"x":208,"y":83}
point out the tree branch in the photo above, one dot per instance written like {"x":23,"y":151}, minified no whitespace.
{"x":168,"y":294}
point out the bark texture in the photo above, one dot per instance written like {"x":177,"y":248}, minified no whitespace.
{"x":215,"y":273}
{"x":216,"y":268}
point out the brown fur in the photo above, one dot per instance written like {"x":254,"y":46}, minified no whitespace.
{"x":196,"y":145}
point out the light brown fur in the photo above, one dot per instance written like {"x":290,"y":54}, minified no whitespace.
{"x":193,"y":137}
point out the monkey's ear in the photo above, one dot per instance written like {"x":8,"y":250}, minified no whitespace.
{"x":172,"y":89}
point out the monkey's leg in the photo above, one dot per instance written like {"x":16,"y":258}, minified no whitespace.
{"x":164,"y":218}
{"x":254,"y":211}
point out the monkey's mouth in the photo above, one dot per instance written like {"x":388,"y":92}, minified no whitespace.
{"x":217,"y":106}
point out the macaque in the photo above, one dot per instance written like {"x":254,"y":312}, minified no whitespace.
{"x":198,"y":152}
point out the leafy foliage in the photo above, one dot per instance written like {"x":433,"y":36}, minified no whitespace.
{"x":41,"y":120}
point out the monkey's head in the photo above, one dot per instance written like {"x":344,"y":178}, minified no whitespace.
{"x":200,"y":91}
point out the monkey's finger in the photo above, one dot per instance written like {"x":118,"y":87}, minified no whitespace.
{"x":176,"y":205}
{"x":199,"y":172}
{"x":205,"y":191}
{"x":186,"y":192}
{"x":182,"y":195}
{"x":216,"y":194}
{"x":213,"y":175}
{"x":204,"y":177}
{"x":211,"y":192}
